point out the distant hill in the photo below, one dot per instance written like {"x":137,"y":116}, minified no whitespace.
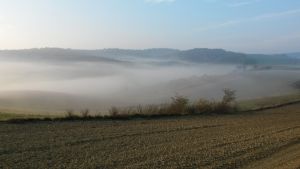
{"x":222,"y":56}
{"x":214,"y":56}
{"x":126,"y":56}
{"x":55,"y":55}
{"x":159,"y":53}
{"x":274,"y":59}
{"x":294,"y":55}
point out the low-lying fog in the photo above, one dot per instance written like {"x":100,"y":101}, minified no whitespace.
{"x":56,"y":86}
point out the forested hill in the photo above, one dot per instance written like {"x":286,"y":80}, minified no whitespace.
{"x":197,"y":55}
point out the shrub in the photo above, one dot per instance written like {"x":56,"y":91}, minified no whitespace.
{"x":70,"y":113}
{"x":203,"y":106}
{"x":229,"y":96}
{"x":148,"y":110}
{"x":178,"y":105}
{"x":114,"y":111}
{"x":156,"y":109}
{"x":85,"y":113}
{"x":227,"y":104}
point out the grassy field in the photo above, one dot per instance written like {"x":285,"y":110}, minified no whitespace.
{"x":7,"y":113}
{"x":245,"y":105}
{"x":8,"y":116}
{"x":265,"y":139}
{"x":267,"y":101}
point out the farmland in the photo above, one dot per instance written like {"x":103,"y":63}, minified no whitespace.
{"x":265,"y":139}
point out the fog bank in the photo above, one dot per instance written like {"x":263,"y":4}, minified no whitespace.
{"x":53,"y":85}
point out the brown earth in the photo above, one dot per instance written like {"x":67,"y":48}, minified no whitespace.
{"x":264,"y":139}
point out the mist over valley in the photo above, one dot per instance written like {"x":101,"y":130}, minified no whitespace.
{"x":53,"y":80}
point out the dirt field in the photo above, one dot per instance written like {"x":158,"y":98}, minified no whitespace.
{"x":266,"y":139}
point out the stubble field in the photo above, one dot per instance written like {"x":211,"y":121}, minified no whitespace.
{"x":265,"y":139}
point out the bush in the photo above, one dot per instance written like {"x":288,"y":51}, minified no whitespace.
{"x":114,"y":111}
{"x":70,"y":113}
{"x":178,"y":105}
{"x":152,"y":109}
{"x":85,"y":113}
{"x":202,"y":106}
{"x":227,"y":104}
{"x":229,"y":96}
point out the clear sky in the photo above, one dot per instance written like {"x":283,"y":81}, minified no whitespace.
{"x":265,"y":26}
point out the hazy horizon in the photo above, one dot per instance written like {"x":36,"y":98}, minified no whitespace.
{"x":182,"y":49}
{"x":149,"y":84}
{"x":193,"y":48}
{"x":58,"y":79}
{"x":248,"y":26}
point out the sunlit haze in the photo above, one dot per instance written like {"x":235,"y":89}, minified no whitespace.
{"x":253,"y":26}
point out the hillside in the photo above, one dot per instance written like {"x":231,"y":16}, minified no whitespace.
{"x":294,"y":55}
{"x":47,"y":102}
{"x":198,"y":55}
{"x":54,"y":79}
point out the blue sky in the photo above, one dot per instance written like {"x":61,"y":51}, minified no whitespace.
{"x":264,"y":26}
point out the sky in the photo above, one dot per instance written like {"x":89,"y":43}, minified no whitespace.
{"x":252,"y":26}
